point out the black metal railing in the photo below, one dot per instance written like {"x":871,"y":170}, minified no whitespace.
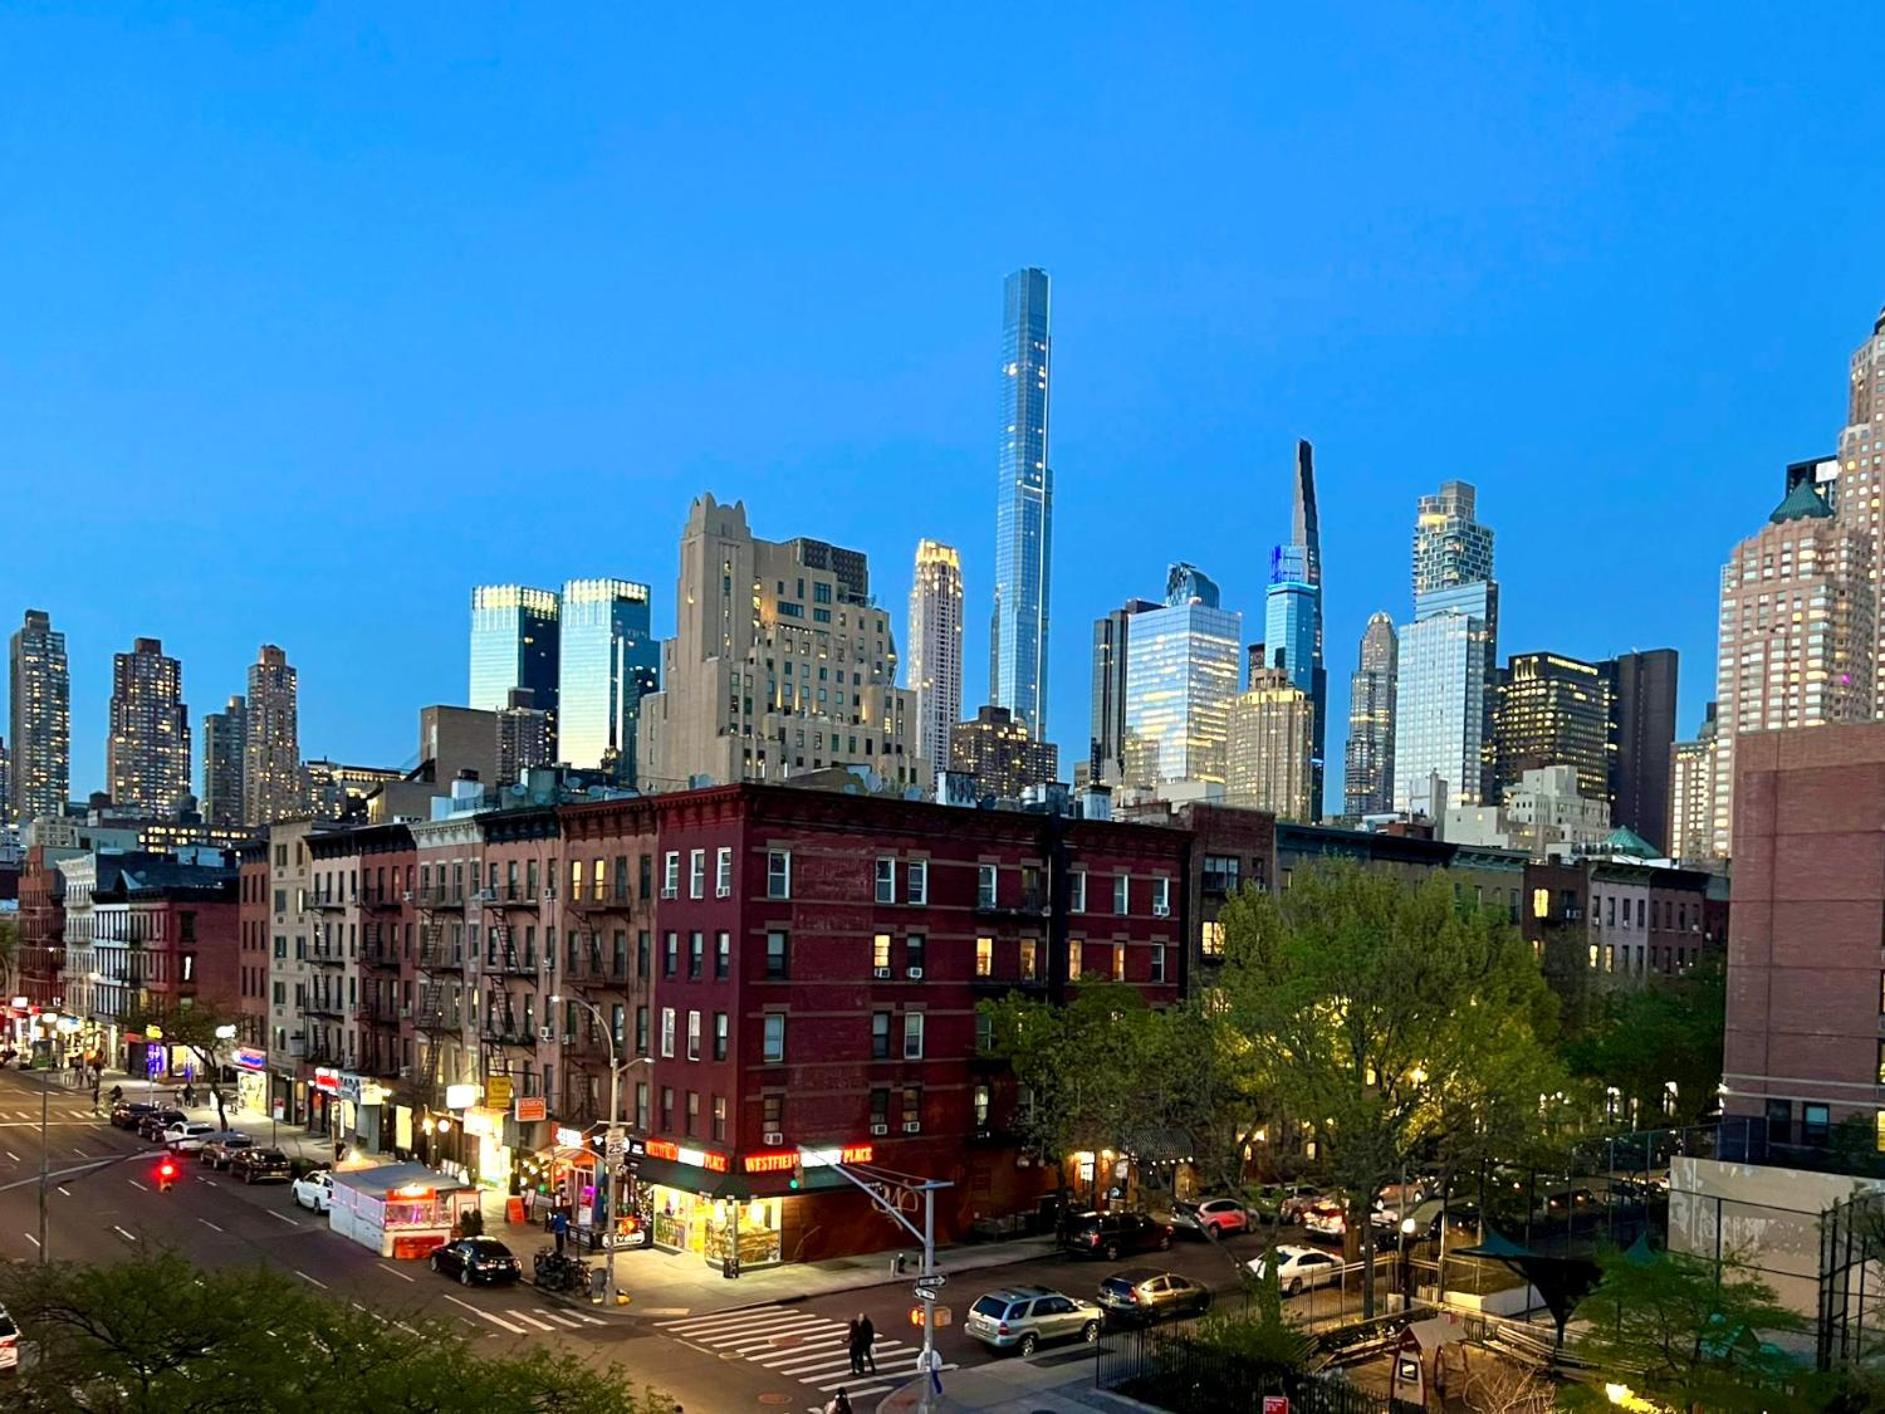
{"x":1175,"y":1371}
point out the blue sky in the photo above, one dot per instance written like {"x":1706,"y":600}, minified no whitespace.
{"x":315,"y":316}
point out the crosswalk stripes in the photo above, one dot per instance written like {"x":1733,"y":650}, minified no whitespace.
{"x":800,"y":1345}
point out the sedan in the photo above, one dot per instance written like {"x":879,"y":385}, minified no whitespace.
{"x":477,"y":1259}
{"x":129,"y":1114}
{"x":256,"y":1165}
{"x":187,"y":1136}
{"x":153,"y":1125}
{"x":222,"y":1148}
{"x":1298,"y":1268}
{"x":1146,"y":1294}
{"x":314,"y":1191}
{"x":1325,"y":1219}
{"x":1213,"y":1218}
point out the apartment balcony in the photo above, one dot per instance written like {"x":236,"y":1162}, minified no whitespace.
{"x":442,"y":959}
{"x":437,"y":898}
{"x":326,"y":903}
{"x":509,"y":962}
{"x":436,"y":1019}
{"x":508,"y":896}
{"x":506,"y":1029}
{"x":599,"y":898}
{"x":379,"y":1011}
{"x":324,"y":955}
{"x":317,"y":1005}
{"x":379,"y":899}
{"x":380,"y":954}
{"x":1029,"y":905}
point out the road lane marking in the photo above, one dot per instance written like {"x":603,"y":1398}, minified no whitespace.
{"x":281,"y":1217}
{"x":208,"y":1224}
{"x":559,"y":1318}
{"x":486,"y":1315}
{"x":839,"y":1384}
{"x":138,"y":1186}
{"x":30,"y":1238}
{"x":122,"y":1233}
{"x":528,"y":1320}
{"x":310,"y":1280}
{"x":396,"y":1272}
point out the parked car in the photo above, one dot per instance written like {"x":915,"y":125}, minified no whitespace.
{"x":188,"y":1135}
{"x":1109,"y":1235}
{"x":1212,"y":1218}
{"x":219,"y":1149}
{"x":1284,"y":1201}
{"x":259,"y":1165}
{"x":1394,"y":1200}
{"x":1147,"y":1294}
{"x":153,"y":1124}
{"x":1326,"y":1218}
{"x":477,"y":1259}
{"x":1025,"y":1317}
{"x":1462,"y":1221}
{"x":9,"y":1342}
{"x":1298,"y":1268}
{"x":129,"y":1114}
{"x":314,"y":1191}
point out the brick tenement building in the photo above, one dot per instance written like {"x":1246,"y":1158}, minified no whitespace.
{"x":186,"y":922}
{"x":252,"y":929}
{"x":42,"y":926}
{"x":1806,"y":979}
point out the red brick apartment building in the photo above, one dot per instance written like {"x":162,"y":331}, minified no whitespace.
{"x":1806,"y":934}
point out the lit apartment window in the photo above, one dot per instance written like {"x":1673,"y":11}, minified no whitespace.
{"x":779,"y":873}
{"x":985,"y":962}
{"x":1075,"y":959}
{"x":1030,"y":960}
{"x":886,"y":881}
{"x":1119,"y":962}
{"x":880,"y":955}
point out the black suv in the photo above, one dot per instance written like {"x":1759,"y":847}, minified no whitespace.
{"x":260,"y":1166}
{"x":1109,"y":1235}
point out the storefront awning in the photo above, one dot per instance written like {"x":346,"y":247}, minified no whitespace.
{"x":690,"y":1179}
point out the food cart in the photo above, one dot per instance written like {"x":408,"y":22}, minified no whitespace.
{"x":399,"y":1210}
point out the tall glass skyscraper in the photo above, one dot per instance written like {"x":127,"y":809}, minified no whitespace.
{"x":608,"y":659}
{"x":514,"y":643}
{"x":1024,"y":508}
{"x":1182,"y":664}
{"x":1370,"y":776}
{"x":41,"y":694}
{"x":1292,"y":620}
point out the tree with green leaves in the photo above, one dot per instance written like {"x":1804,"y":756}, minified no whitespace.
{"x":1640,"y":1038}
{"x":1402,"y":1025}
{"x":9,"y":951}
{"x":196,"y":1029}
{"x":156,"y":1334}
{"x":1681,"y":1330}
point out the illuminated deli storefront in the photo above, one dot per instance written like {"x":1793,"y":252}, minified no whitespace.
{"x":699,"y":1205}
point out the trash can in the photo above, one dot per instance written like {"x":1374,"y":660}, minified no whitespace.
{"x":598,"y":1282}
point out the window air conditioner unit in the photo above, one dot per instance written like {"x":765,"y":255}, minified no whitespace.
{"x":546,"y":1033}
{"x":405,"y":1013}
{"x":880,"y":1129}
{"x":723,"y":891}
{"x":772,"y":1136}
{"x":880,"y":973}
{"x":669,"y":893}
{"x":912,"y":1126}
{"x":1161,"y":910}
{"x":549,"y":893}
{"x":405,"y":896}
{"x":915,"y":974}
{"x":485,"y":896}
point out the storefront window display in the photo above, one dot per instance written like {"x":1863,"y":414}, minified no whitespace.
{"x":687,"y":1222}
{"x":489,"y":1157}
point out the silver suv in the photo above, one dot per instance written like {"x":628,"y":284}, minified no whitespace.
{"x":1024,"y":1317}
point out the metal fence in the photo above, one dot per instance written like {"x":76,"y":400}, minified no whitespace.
{"x":1175,"y":1371}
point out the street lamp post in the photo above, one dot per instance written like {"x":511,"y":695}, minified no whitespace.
{"x":612,"y":1156}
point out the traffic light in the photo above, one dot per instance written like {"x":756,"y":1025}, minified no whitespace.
{"x":166,"y":1173}
{"x":797,"y":1181}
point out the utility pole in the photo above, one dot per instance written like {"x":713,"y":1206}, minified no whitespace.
{"x":614,"y":1149}
{"x":45,"y":1149}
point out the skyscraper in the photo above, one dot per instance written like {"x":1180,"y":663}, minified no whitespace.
{"x":1106,"y":746}
{"x":41,"y":689}
{"x":1182,"y":664}
{"x":935,"y":649}
{"x":1642,"y":730}
{"x":523,"y":736}
{"x":1447,"y":657}
{"x":1000,"y":754}
{"x":515,"y":642}
{"x":1369,"y":784}
{"x":1024,"y":507}
{"x":780,"y":664}
{"x":147,"y":754}
{"x":608,"y":659}
{"x":1269,"y":748}
{"x":1797,"y":633}
{"x":1692,"y":795}
{"x":1857,"y":487}
{"x":1554,"y":710}
{"x":1292,"y":630}
{"x":225,"y":735}
{"x":273,"y":787}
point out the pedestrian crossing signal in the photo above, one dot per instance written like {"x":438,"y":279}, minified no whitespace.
{"x":797,"y":1181}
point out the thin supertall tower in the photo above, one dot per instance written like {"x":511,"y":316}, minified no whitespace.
{"x":1293,"y":614}
{"x":1024,"y":507}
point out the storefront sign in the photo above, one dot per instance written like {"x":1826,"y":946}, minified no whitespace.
{"x":327,"y":1080}
{"x":460,"y":1097}
{"x":250,"y":1058}
{"x":680,"y":1154}
{"x":350,"y":1087}
{"x":783,"y":1160}
{"x":21,"y":1002}
{"x":569,"y":1138}
{"x":531,"y":1108}
{"x":497,"y":1092}
{"x":484,"y":1122}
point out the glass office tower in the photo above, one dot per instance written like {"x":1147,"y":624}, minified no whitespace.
{"x":514,"y":643}
{"x":1182,"y":666}
{"x":1441,"y":716}
{"x":608,"y":659}
{"x":1024,"y":507}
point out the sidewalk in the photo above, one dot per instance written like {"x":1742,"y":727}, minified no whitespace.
{"x":1015,"y":1387}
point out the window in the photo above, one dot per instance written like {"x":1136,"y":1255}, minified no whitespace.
{"x":778,"y":957}
{"x":1220,"y":873}
{"x":772,"y":1113}
{"x":986,"y":880}
{"x":1076,"y":892}
{"x":886,"y":881}
{"x":667,"y":1109}
{"x":641,"y":1106}
{"x":696,"y":873}
{"x":912,"y":1107}
{"x":641,"y":1028}
{"x":880,"y":1035}
{"x":1161,"y":897}
{"x":696,"y":955}
{"x":1075,"y":959}
{"x":1122,"y":892}
{"x":880,"y":955}
{"x":667,"y":1032}
{"x":720,"y":1118}
{"x":723,"y":955}
{"x":980,"y":1102}
{"x":719,"y":1035}
{"x":880,"y":1110}
{"x":913,"y":956}
{"x":1780,"y":1121}
{"x":671,"y":874}
{"x":985,"y":960}
{"x":779,"y":873}
{"x":693,"y":1111}
{"x":723,"y":872}
{"x":1211,"y":938}
{"x":671,"y":956}
{"x":1610,"y":911}
{"x":772,"y":1046}
{"x":1119,"y":962}
{"x":913,"y":1035}
{"x":1030,"y":960}
{"x":984,"y":1031}
{"x":693,"y":1035}
{"x":1815,"y":1124}
{"x":1158,"y":962}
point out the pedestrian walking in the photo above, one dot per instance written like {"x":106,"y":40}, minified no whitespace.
{"x":559,"y":1226}
{"x":867,"y":1337}
{"x":94,"y":1095}
{"x":857,"y":1344}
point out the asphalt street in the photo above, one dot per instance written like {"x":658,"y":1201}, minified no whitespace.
{"x":102,"y":1205}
